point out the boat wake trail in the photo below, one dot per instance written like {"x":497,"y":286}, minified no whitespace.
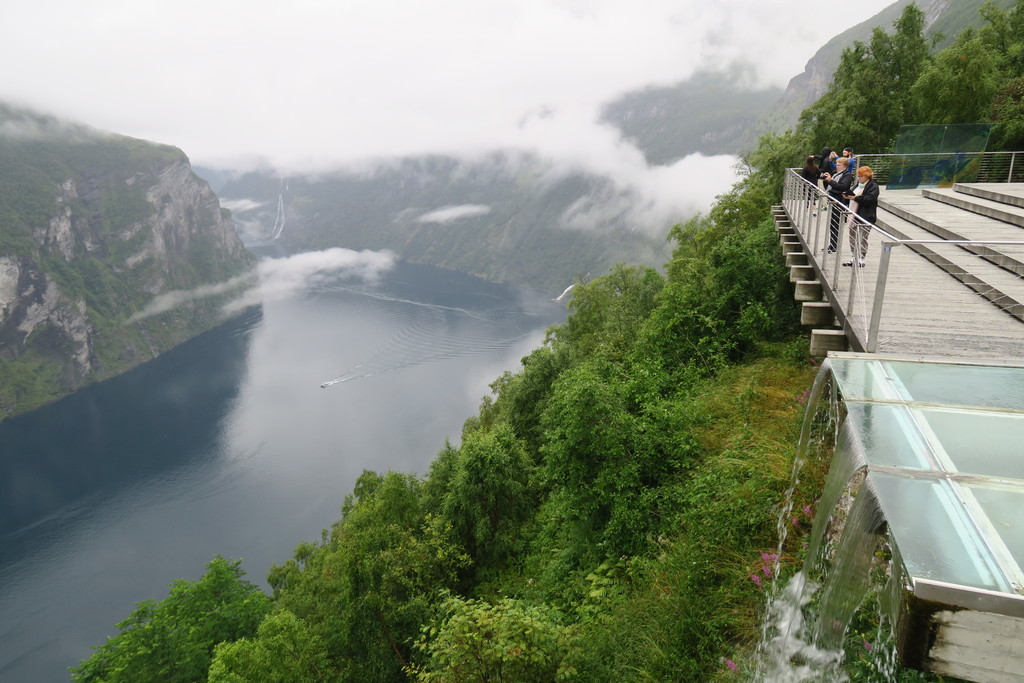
{"x":438,"y":333}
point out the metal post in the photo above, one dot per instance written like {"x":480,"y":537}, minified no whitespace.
{"x":805,"y":214}
{"x":876,"y":306}
{"x":854,"y":266}
{"x":836,"y":255}
{"x":1009,"y":177}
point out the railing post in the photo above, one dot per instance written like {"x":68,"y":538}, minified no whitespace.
{"x":854,"y":267}
{"x":876,"y":306}
{"x":810,"y":196}
{"x":1009,"y":176}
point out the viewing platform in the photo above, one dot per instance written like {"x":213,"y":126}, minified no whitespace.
{"x":944,"y":273}
{"x":925,"y":367}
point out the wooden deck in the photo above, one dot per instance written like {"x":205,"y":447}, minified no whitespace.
{"x":953,"y":284}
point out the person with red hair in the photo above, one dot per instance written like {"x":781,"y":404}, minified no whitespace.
{"x":864,"y":205}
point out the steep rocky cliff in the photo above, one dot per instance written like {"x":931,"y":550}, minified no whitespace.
{"x":93,"y":228}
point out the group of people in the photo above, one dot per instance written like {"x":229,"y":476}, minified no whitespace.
{"x":853,"y":187}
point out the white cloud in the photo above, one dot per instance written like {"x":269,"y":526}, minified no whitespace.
{"x":310,"y":85}
{"x":279,"y":278}
{"x":448,"y":214}
{"x":241,"y":205}
{"x":310,"y":82}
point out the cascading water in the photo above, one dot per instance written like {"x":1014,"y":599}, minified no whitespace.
{"x":808,"y":616}
{"x":281,"y":219}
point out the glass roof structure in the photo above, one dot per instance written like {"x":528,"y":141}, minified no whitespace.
{"x":943,"y":443}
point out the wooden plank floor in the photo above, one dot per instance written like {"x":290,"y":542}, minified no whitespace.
{"x":926,"y":311}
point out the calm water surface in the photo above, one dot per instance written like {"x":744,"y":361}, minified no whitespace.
{"x":229,"y":445}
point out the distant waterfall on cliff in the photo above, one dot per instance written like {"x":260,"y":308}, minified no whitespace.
{"x":280,"y":220}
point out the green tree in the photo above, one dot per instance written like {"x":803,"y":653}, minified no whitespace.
{"x":490,"y":496}
{"x":509,"y":640}
{"x":959,"y":84}
{"x":606,"y":312}
{"x":604,"y":461}
{"x":367,"y":588}
{"x":284,"y":650}
{"x":521,"y":397}
{"x":870,"y":95}
{"x":1004,"y":33}
{"x":174,"y":639}
{"x":1008,"y":114}
{"x":727,"y":292}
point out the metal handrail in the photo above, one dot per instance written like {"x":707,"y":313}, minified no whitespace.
{"x":811,"y":213}
{"x":994,"y":167}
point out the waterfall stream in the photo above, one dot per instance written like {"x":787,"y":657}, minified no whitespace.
{"x":808,"y":615}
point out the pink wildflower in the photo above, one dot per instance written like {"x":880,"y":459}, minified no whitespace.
{"x":732,"y":665}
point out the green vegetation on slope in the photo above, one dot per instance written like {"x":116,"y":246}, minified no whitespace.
{"x":589,"y":523}
{"x":953,"y":18}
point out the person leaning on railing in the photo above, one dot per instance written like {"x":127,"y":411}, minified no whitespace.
{"x":863,"y":203}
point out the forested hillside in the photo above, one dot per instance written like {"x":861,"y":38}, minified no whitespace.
{"x":610,"y":512}
{"x":93,"y":227}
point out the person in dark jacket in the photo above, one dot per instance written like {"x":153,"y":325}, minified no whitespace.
{"x":864,"y":203}
{"x":839,"y":187}
{"x":827,"y":160}
{"x":810,"y":171}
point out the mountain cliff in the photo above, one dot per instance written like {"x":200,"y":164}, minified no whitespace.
{"x":709,"y":113}
{"x":93,"y":227}
{"x":501,"y":218}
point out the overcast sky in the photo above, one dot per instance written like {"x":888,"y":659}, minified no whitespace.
{"x":310,"y":83}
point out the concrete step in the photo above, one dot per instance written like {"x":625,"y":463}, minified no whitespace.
{"x":991,"y":208}
{"x":817,"y":313}
{"x":807,"y":290}
{"x":796,"y":258}
{"x":1011,"y":194}
{"x":823,"y":341}
{"x":938,"y":222}
{"x":801,"y":273}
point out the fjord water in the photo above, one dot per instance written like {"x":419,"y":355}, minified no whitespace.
{"x":229,"y":445}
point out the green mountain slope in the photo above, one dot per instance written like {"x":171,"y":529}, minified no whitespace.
{"x":709,"y":114}
{"x":93,"y":227}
